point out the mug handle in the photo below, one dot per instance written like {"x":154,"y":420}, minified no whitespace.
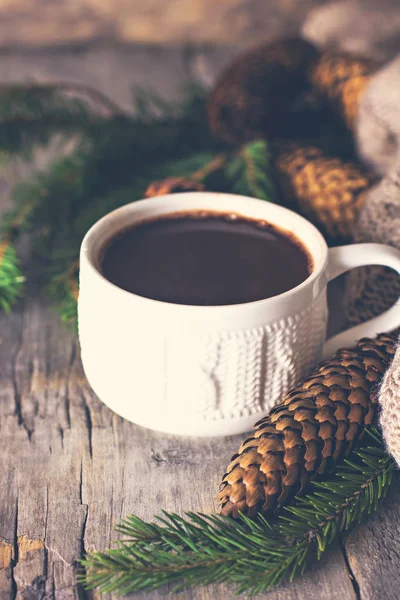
{"x":344,"y":258}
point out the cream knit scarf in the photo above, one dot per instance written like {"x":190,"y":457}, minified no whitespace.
{"x":371,"y":290}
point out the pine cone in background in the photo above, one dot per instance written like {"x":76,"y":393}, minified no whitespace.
{"x":341,"y":79}
{"x":315,"y":426}
{"x":327,"y":190}
{"x":253,"y":92}
{"x":173,"y":185}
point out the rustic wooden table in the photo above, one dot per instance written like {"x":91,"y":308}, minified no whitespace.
{"x":70,"y":468}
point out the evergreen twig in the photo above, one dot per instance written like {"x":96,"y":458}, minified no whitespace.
{"x":249,"y":171}
{"x":11,"y":278}
{"x":115,"y":162}
{"x":64,"y":290}
{"x":30,"y":116}
{"x":251,"y":555}
{"x":15,"y":92}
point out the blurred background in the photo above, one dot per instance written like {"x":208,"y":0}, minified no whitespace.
{"x":112,"y":44}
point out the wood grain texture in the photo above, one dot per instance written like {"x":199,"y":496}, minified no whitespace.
{"x":373,"y":551}
{"x":71,"y":468}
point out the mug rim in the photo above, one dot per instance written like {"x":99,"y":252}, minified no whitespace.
{"x":186,"y":202}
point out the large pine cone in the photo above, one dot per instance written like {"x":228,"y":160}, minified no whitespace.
{"x":256,"y":88}
{"x":329,"y":191}
{"x":316,"y":425}
{"x":341,"y":79}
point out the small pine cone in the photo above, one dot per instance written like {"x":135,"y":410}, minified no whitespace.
{"x":173,"y":185}
{"x":316,"y":425}
{"x":257,"y":87}
{"x":341,"y":79}
{"x":327,"y":190}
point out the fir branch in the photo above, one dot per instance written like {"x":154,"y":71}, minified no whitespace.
{"x":249,"y":171}
{"x":64,"y":290}
{"x":32,"y":115}
{"x":116,"y":161}
{"x":11,"y":278}
{"x":251,"y":555}
{"x":13,"y":94}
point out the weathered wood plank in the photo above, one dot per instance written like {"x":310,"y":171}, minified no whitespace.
{"x":373,"y":551}
{"x":71,"y":468}
{"x":49,"y":515}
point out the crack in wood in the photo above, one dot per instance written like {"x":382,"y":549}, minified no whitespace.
{"x":17,"y":395}
{"x":89,"y":425}
{"x":354,"y":582}
{"x":27,"y":425}
{"x":61,"y":433}
{"x":29,"y":372}
{"x":15,"y":557}
{"x":53,"y":583}
{"x":83,"y":594}
{"x":46,"y":553}
{"x":131,"y":469}
{"x":67,"y":384}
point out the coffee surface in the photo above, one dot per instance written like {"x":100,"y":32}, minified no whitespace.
{"x":205,"y":259}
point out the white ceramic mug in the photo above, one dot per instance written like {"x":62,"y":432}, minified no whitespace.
{"x":211,"y":370}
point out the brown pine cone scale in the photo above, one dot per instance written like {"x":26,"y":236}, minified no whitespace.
{"x":327,"y":190}
{"x":316,"y":425}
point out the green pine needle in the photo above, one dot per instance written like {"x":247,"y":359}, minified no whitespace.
{"x":251,"y":555}
{"x":30,"y":116}
{"x":249,"y":171}
{"x":63,"y":291}
{"x":11,"y":278}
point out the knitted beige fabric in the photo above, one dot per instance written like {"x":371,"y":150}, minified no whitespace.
{"x":372,"y":290}
{"x":378,"y":123}
{"x":366,"y":27}
{"x":389,"y":399}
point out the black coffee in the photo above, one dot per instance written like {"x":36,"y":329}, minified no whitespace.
{"x":205,"y":259}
